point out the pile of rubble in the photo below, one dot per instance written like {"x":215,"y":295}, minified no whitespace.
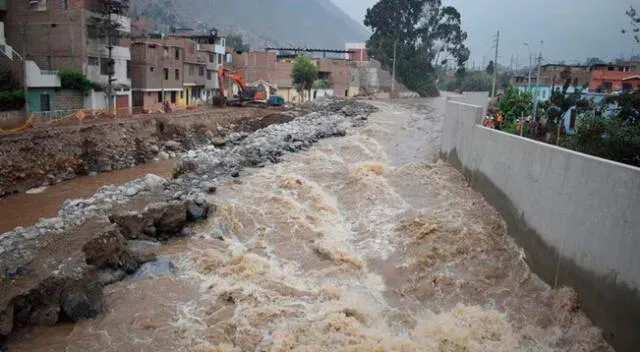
{"x":58,"y":267}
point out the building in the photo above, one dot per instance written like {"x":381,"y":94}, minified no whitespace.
{"x":62,"y":34}
{"x":554,"y":74}
{"x":334,"y":74}
{"x":606,"y":78}
{"x":157,"y":71}
{"x":204,"y":53}
{"x":358,"y":52}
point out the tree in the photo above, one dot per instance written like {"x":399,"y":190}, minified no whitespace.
{"x":594,"y":61}
{"x":490,"y":68}
{"x":634,"y":25}
{"x":423,"y":33}
{"x":304,"y":73}
{"x":515,"y":103}
{"x":236,"y":42}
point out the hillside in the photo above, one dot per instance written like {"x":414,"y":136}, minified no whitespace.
{"x":309,"y":23}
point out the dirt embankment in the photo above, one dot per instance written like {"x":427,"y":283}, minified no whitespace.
{"x":47,"y":156}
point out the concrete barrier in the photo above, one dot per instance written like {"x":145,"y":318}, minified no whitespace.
{"x":480,"y":99}
{"x":576,"y":216}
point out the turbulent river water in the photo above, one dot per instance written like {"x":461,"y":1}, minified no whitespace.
{"x":362,"y":243}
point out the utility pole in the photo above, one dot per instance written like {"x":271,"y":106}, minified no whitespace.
{"x":495,"y":67}
{"x":24,"y":67}
{"x":393,"y":70}
{"x":111,"y":65}
{"x":535,"y":104}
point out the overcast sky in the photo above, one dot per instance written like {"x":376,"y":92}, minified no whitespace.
{"x":572,"y":30}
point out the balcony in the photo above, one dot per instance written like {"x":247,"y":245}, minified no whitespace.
{"x":37,"y":78}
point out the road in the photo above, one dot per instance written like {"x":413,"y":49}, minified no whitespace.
{"x":362,"y":243}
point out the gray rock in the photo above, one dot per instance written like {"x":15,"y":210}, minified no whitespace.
{"x":160,"y":267}
{"x":173,"y":145}
{"x":6,"y":321}
{"x":196,"y":211}
{"x":154,"y":182}
{"x":82,"y":300}
{"x":110,"y":276}
{"x":130,"y":192}
{"x":163,"y":156}
{"x":44,"y":315}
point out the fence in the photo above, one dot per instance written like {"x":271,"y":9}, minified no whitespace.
{"x":576,"y":216}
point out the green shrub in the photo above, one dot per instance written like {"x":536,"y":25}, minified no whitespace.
{"x":11,"y":100}
{"x":71,"y":79}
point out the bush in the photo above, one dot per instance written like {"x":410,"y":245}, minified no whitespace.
{"x":610,"y":139}
{"x":11,"y":100}
{"x":70,"y":79}
{"x":515,"y":104}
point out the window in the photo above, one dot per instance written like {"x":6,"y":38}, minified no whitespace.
{"x":209,"y":75}
{"x":212,"y":58}
{"x":94,"y":61}
{"x":166,"y":74}
{"x":177,"y":53}
{"x":220,"y":59}
{"x":160,"y":97}
{"x":65,"y":4}
{"x":151,"y":68}
{"x":173,"y":97}
{"x":165,"y":52}
{"x":105,"y":67}
{"x":190,"y":70}
{"x":38,"y":5}
{"x":181,"y":95}
{"x":177,"y":75}
{"x":201,"y":71}
{"x":128,"y":68}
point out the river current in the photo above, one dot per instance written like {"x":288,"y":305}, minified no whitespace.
{"x":362,"y":243}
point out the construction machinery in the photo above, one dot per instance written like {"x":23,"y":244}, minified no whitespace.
{"x":245,"y":95}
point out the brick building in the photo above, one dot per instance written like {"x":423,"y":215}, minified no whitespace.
{"x":358,"y":52}
{"x":551,"y":74}
{"x":59,"y":34}
{"x":157,"y":70}
{"x":267,"y":66}
{"x":607,"y":78}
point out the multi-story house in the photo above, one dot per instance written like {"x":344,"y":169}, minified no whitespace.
{"x":157,"y":71}
{"x":204,"y":53}
{"x":60,"y":34}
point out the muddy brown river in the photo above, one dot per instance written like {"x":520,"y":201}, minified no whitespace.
{"x":362,"y":243}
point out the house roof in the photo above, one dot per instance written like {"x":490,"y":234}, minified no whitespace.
{"x":631,"y":77}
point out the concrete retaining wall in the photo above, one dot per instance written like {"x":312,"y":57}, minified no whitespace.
{"x":576,"y":216}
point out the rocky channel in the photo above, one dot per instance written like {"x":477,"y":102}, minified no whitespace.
{"x":56,"y":270}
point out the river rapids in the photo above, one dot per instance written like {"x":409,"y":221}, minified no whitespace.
{"x":361,"y":243}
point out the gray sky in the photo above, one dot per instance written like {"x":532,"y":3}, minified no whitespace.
{"x":572,"y":30}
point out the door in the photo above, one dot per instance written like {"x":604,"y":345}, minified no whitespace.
{"x":173,"y":97}
{"x":45,"y":102}
{"x":122,"y":105}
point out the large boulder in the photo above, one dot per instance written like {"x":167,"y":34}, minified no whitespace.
{"x":160,"y":220}
{"x":82,"y":299}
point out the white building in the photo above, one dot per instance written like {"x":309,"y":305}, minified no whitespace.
{"x":97,"y":69}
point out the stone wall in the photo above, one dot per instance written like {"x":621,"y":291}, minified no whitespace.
{"x":576,"y":216}
{"x":67,"y":100}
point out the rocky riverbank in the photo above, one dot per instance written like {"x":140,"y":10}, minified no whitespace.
{"x":42,"y":157}
{"x":57,"y":268}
